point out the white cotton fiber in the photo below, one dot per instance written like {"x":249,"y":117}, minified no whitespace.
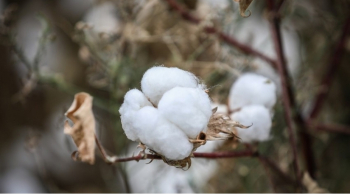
{"x":134,"y":100}
{"x":188,"y":108}
{"x":257,"y":115}
{"x":158,"y":80}
{"x":104,"y":18}
{"x":160,"y":135}
{"x":251,"y":89}
{"x":221,"y":108}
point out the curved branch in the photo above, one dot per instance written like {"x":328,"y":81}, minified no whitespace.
{"x":224,"y":37}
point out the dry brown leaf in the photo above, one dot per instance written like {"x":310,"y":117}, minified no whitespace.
{"x":243,"y":6}
{"x":83,"y":129}
{"x":311,"y":185}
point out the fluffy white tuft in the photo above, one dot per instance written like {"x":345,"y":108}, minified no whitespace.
{"x":184,"y":110}
{"x":158,"y":80}
{"x":257,"y":115}
{"x":188,"y":108}
{"x":161,"y":135}
{"x":134,"y":100}
{"x":251,"y":89}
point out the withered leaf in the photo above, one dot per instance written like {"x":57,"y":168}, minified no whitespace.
{"x":311,"y":185}
{"x":243,"y":6}
{"x":83,"y":129}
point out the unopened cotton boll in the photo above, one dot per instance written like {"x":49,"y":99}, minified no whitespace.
{"x":134,"y":100}
{"x":251,"y":89}
{"x":260,"y":119}
{"x":188,"y":108}
{"x":158,"y":80}
{"x":161,"y":135}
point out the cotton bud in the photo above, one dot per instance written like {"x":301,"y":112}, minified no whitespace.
{"x":259,"y":117}
{"x":252,"y":89}
{"x":158,"y":80}
{"x":134,"y":100}
{"x":187,"y":108}
{"x":160,"y":135}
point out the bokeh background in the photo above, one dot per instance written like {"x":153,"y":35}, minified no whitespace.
{"x":103,"y":47}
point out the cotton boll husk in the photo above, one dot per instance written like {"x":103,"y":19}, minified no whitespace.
{"x":161,"y":135}
{"x":250,"y":89}
{"x":134,"y":100}
{"x":188,"y":108}
{"x":257,"y":115}
{"x":158,"y":80}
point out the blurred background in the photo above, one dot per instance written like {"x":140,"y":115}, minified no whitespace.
{"x":103,"y":47}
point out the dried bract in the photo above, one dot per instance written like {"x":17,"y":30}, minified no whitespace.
{"x":83,"y":129}
{"x":243,"y":6}
{"x":221,"y":127}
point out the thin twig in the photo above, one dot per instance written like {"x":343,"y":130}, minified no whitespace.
{"x":231,"y":154}
{"x":20,"y":54}
{"x":320,"y":98}
{"x":333,"y":128}
{"x":211,"y":30}
{"x":287,"y":93}
{"x":331,"y":70}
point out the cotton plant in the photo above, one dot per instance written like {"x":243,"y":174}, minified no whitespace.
{"x":251,"y":99}
{"x":172,"y":115}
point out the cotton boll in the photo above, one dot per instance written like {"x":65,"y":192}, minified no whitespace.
{"x":245,"y":31}
{"x":134,"y":100}
{"x":251,"y":89}
{"x":104,"y":19}
{"x":257,"y":115}
{"x":158,"y":80}
{"x":160,"y":135}
{"x":188,"y":108}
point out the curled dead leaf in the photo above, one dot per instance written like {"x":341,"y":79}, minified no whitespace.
{"x":311,"y":185}
{"x":83,"y":129}
{"x":243,"y":6}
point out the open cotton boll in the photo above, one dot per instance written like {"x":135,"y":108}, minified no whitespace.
{"x":104,"y":19}
{"x":160,"y":135}
{"x":158,"y":80}
{"x":188,"y":108}
{"x":251,"y":89}
{"x":134,"y":100}
{"x":257,"y":115}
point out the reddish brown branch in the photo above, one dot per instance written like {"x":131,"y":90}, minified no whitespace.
{"x":333,"y":128}
{"x":213,"y":155}
{"x":287,"y":93}
{"x":224,"y":37}
{"x":248,"y":152}
{"x":138,"y":157}
{"x":330,"y":72}
{"x":319,"y":101}
{"x":236,"y":154}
